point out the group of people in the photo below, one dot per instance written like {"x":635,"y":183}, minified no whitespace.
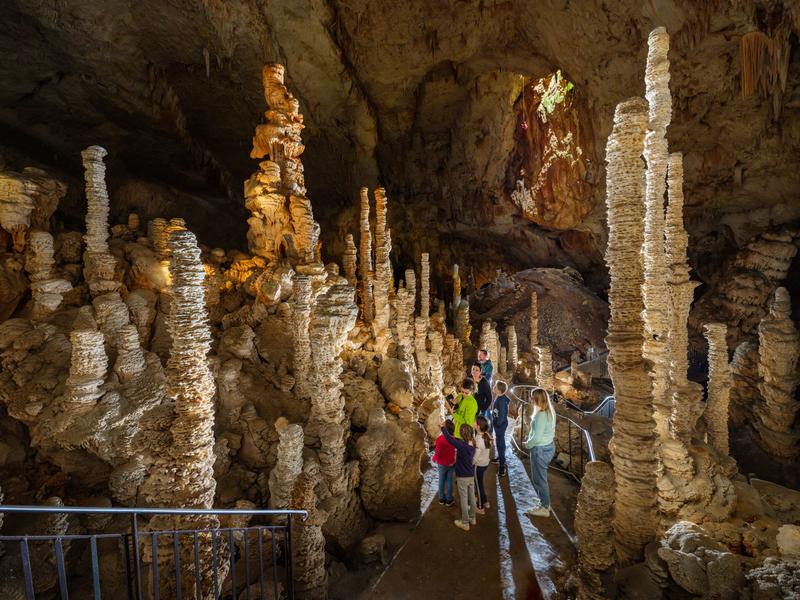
{"x":477,"y":429}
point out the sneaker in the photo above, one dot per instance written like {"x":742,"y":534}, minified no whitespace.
{"x":461,"y":525}
{"x":486,"y":505}
{"x":473,"y":521}
{"x":450,"y":503}
{"x":480,"y":511}
{"x":539,"y":511}
{"x":502,"y":472}
{"x":495,"y":461}
{"x":442,"y":502}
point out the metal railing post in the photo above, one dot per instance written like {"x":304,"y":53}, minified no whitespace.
{"x":137,"y":573}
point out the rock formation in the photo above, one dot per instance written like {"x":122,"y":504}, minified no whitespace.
{"x":593,"y":526}
{"x":282,"y":222}
{"x":27,"y":200}
{"x":365,"y":271}
{"x":46,"y":288}
{"x":99,"y":264}
{"x":301,"y":318}
{"x":349,"y":260}
{"x":744,"y":383}
{"x":778,"y":353}
{"x":288,"y":465}
{"x":425,"y":287}
{"x":513,"y":354}
{"x":456,"y":293}
{"x":633,"y":452}
{"x":383,"y":271}
{"x":719,"y":388}
{"x":308,"y":548}
{"x":544,"y":368}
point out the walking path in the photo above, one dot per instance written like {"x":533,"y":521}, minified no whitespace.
{"x":507,"y":555}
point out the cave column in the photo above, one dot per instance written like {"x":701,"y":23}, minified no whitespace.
{"x":365,"y":259}
{"x":719,"y":387}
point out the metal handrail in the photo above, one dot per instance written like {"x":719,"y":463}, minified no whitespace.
{"x":132,"y":553}
{"x":584,"y":433}
{"x":595,"y":410}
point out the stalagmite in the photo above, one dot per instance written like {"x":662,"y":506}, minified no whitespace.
{"x":288,"y":466}
{"x":301,"y":318}
{"x":308,"y":547}
{"x":502,"y":361}
{"x":435,"y":360}
{"x":632,"y":446}
{"x":88,"y":365}
{"x":349,"y":260}
{"x":544,"y":368}
{"x":655,"y":291}
{"x":593,"y":526}
{"x":99,"y":264}
{"x":719,"y":387}
{"x":513,"y":353}
{"x":383,"y":271}
{"x":134,"y":224}
{"x":47,"y":289}
{"x":744,"y":383}
{"x":365,"y":259}
{"x":282,"y":224}
{"x":456,"y":292}
{"x":421,"y":349}
{"x":686,"y":402}
{"x":403,"y":322}
{"x":534,"y":324}
{"x":425,"y":287}
{"x":463,"y":329}
{"x":130,"y":357}
{"x":778,"y":353}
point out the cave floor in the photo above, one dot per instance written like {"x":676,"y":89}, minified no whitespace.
{"x":506,"y":555}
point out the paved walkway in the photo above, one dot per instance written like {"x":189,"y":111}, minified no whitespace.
{"x":507,"y":555}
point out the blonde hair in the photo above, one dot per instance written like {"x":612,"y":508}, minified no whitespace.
{"x":541,"y":401}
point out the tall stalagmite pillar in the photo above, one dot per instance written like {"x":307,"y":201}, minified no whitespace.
{"x":778,"y":352}
{"x":301,"y":318}
{"x":533,"y":336}
{"x":456,"y":292}
{"x":99,"y":264}
{"x":365,"y":259}
{"x":349,"y":260}
{"x":719,"y":387}
{"x":632,"y":446}
{"x":544,"y":369}
{"x":383,"y":270}
{"x":513,"y":353}
{"x":593,"y":518}
{"x":655,"y":291}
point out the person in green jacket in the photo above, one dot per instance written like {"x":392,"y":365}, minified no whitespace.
{"x":542,"y":447}
{"x":465,"y":407}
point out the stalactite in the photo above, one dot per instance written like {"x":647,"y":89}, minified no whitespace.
{"x":513,"y":352}
{"x":349,"y":260}
{"x":365,"y":259}
{"x":593,"y":526}
{"x":288,"y":465}
{"x":99,"y":264}
{"x":719,"y":387}
{"x":632,"y":445}
{"x":778,"y":353}
{"x":544,"y":369}
{"x":47,"y":289}
{"x":301,"y":318}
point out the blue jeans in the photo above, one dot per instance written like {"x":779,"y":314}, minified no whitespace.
{"x":446,"y":475}
{"x":500,"y":440}
{"x":540,"y":458}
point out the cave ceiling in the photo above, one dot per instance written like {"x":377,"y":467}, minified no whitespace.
{"x":419,"y":96}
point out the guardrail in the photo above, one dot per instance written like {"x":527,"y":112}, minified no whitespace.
{"x":606,"y":408}
{"x":522,"y":393}
{"x":227,"y":547}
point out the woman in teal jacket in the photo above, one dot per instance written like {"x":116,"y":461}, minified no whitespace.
{"x":541,"y":444}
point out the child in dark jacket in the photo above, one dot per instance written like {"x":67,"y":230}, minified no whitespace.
{"x":500,"y":422}
{"x":445,"y":459}
{"x":465,"y":453}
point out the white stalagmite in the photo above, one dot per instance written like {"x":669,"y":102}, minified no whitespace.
{"x":513,"y":352}
{"x":365,"y":259}
{"x":456,"y":292}
{"x":349,"y":260}
{"x":594,"y":515}
{"x":130,"y":356}
{"x":778,"y":352}
{"x":420,"y":349}
{"x":632,"y":446}
{"x":383,"y":270}
{"x":425,"y":287}
{"x":288,"y":465}
{"x":544,"y":369}
{"x":719,"y":387}
{"x":301,"y":318}
{"x":533,"y":335}
{"x":435,"y":360}
{"x":47,"y":290}
{"x":502,"y":362}
{"x":88,"y":366}
{"x":134,"y":223}
{"x":463,"y":329}
{"x":655,"y":290}
{"x":404,"y":319}
{"x":99,"y":265}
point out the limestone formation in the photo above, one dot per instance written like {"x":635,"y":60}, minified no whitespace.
{"x":27,"y":200}
{"x":421,"y":350}
{"x":308,"y":547}
{"x":502,"y":361}
{"x":301,"y":318}
{"x":349,"y":260}
{"x":544,"y":369}
{"x":282,"y":224}
{"x":383,"y":271}
{"x":130,"y":356}
{"x":288,"y":466}
{"x":436,"y":343}
{"x":778,"y":353}
{"x":513,"y":353}
{"x":593,"y":526}
{"x":463,"y":329}
{"x":404,"y":319}
{"x":719,"y":388}
{"x":633,"y":443}
{"x":365,"y":271}
{"x":425,"y":287}
{"x":456,"y":292}
{"x":88,"y":366}
{"x":47,"y":288}
{"x":744,"y":383}
{"x":489,"y":340}
{"x":99,"y":264}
